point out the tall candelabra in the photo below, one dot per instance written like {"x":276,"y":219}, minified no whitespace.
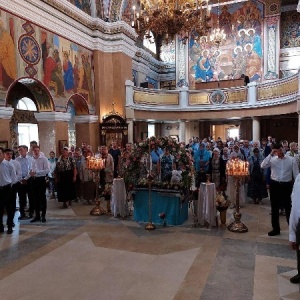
{"x":95,"y":165}
{"x":239,"y":169}
{"x":150,"y":225}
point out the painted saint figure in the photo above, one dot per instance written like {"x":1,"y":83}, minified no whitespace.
{"x":7,"y":58}
{"x":68,"y":72}
{"x":203,"y":69}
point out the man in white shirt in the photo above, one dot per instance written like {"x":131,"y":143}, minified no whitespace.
{"x":283,"y":170}
{"x":294,"y":227}
{"x":39,"y":169}
{"x":24,"y":188}
{"x":7,"y":178}
{"x":8,"y":154}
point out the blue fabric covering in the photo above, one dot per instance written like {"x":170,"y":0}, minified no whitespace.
{"x":169,"y":203}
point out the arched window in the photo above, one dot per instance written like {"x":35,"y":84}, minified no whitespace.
{"x":26,"y":104}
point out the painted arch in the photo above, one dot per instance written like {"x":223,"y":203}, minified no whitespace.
{"x":33,"y":89}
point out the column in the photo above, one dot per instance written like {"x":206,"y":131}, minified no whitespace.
{"x":181,"y":62}
{"x":130,"y":130}
{"x":182,"y":131}
{"x":183,"y":97}
{"x":53,"y":127}
{"x":129,"y":92}
{"x":255,"y":129}
{"x":87,"y":130}
{"x":252,"y":93}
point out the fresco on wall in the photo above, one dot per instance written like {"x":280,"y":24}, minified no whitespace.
{"x":8,"y":66}
{"x":242,"y":51}
{"x":66,"y":68}
{"x":290,"y":30}
{"x":27,"y":50}
{"x":83,"y":5}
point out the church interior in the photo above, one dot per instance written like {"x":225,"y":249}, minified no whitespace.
{"x":97,"y":71}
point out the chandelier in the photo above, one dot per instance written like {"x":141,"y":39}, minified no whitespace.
{"x":217,"y":36}
{"x":170,"y":17}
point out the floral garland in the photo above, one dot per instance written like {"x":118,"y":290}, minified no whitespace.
{"x":135,"y":171}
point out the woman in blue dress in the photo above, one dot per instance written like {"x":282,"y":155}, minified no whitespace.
{"x":166,"y":165}
{"x":201,"y":161}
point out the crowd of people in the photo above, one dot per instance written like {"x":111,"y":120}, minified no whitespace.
{"x":273,"y":166}
{"x":29,"y":175}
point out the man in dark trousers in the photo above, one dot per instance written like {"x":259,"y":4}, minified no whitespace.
{"x":283,"y":170}
{"x":294,"y":227}
{"x":7,"y":178}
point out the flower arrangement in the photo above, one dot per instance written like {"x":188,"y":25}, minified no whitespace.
{"x":221,"y":203}
{"x":136,"y":166}
{"x":162,"y":215}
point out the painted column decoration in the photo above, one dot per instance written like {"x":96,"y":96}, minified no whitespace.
{"x":272,"y":39}
{"x":181,"y":65}
{"x":272,"y":35}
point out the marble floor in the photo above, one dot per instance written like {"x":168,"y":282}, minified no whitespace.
{"x":77,"y":256}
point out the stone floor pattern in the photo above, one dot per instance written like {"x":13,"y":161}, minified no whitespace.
{"x":78,"y":256}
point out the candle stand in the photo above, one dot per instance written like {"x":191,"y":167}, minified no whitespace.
{"x":150,"y":225}
{"x":150,"y":178}
{"x":239,"y":169}
{"x":95,"y":165}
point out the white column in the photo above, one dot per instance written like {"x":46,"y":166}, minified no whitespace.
{"x":252,"y":92}
{"x":255,"y":129}
{"x":183,"y":97}
{"x":129,"y":92}
{"x":182,"y":131}
{"x":130,"y":130}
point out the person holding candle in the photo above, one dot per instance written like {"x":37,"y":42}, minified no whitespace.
{"x":283,"y":169}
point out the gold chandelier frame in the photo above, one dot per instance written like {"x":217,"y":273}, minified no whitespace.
{"x":170,"y":17}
